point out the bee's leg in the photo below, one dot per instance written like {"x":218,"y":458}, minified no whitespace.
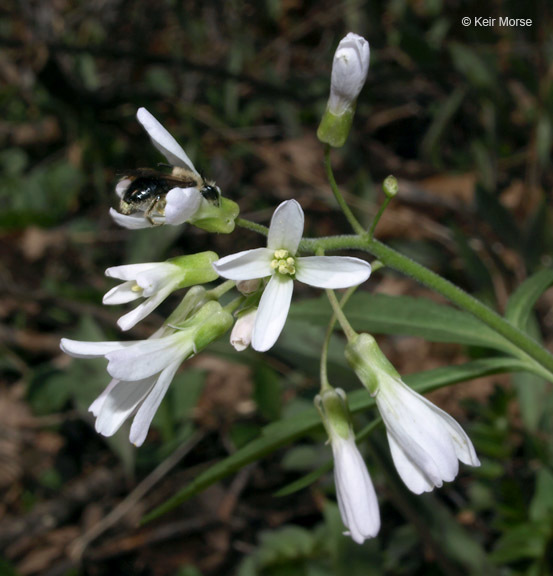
{"x":151,"y":208}
{"x":156,"y":207}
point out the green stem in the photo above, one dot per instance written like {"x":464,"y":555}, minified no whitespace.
{"x":378,"y":215}
{"x":340,"y":316}
{"x":254,"y":226}
{"x":338,"y":195}
{"x":393,"y":259}
{"x":234,"y":304}
{"x":218,"y":291}
{"x":325,"y":385}
{"x":462,"y":299}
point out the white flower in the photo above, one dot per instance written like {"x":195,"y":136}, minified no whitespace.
{"x":153,"y":281}
{"x":141,"y":371}
{"x":349,"y":72}
{"x":241,"y":335}
{"x":425,"y":442}
{"x":181,"y":203}
{"x":354,"y":489}
{"x":279,"y":261}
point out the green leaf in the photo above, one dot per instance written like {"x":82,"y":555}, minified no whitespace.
{"x":527,"y":540}
{"x":285,"y":431}
{"x":304,"y":481}
{"x":525,"y":296}
{"x":541,"y":507}
{"x":383,"y":314}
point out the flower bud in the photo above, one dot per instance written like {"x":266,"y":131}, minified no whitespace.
{"x":390,"y":186}
{"x":354,"y":489}
{"x":241,"y":335}
{"x":349,"y":72}
{"x":247,"y":287}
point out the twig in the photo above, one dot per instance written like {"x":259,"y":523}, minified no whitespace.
{"x":79,"y":546}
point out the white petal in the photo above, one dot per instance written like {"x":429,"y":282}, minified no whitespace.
{"x":96,"y":406}
{"x":241,"y":335}
{"x":122,"y":294}
{"x":79,"y":349}
{"x":164,"y":276}
{"x":272,"y":312}
{"x":121,"y":401}
{"x":127,"y":321}
{"x":412,"y":476}
{"x":134,"y":221}
{"x":148,"y":357}
{"x":122,"y":186}
{"x":146,"y":412}
{"x":245,"y":265}
{"x":418,"y":430}
{"x":163,"y":141}
{"x":355,"y":492}
{"x":286,"y":227}
{"x":181,"y":205}
{"x":129,"y":271}
{"x":462,"y":444}
{"x":332,"y":271}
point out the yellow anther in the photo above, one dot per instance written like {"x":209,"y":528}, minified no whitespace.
{"x":283,"y":263}
{"x":136,"y":288}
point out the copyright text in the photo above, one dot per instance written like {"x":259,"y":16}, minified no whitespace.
{"x":482,"y":21}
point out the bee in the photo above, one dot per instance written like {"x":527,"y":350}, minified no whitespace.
{"x":147,"y":189}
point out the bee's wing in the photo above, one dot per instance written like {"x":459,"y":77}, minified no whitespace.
{"x":163,"y":141}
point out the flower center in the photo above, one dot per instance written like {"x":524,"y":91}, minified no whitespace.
{"x":136,"y":288}
{"x":283,"y":263}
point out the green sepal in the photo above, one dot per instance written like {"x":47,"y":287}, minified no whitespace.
{"x":332,"y":405}
{"x":211,"y":322}
{"x":334,"y":130}
{"x":196,"y":268}
{"x":368,"y":362}
{"x":216,"y":218}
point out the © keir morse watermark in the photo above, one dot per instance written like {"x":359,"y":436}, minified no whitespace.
{"x":484,"y":22}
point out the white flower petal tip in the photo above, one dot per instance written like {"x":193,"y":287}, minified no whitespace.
{"x":122,"y":186}
{"x":133,"y":221}
{"x":163,"y":140}
{"x":426,"y":443}
{"x":355,"y":492}
{"x":332,"y":271}
{"x":153,"y":281}
{"x":286,"y":227}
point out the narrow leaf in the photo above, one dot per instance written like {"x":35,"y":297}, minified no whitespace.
{"x":383,"y":314}
{"x":525,"y":296}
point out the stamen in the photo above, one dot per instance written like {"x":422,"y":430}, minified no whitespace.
{"x":283,"y":263}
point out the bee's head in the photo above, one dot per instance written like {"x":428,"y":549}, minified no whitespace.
{"x":211,"y":192}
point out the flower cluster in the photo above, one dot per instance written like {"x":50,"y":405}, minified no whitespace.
{"x":426,"y":444}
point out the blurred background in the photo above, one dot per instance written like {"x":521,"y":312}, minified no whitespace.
{"x":462,"y":116}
